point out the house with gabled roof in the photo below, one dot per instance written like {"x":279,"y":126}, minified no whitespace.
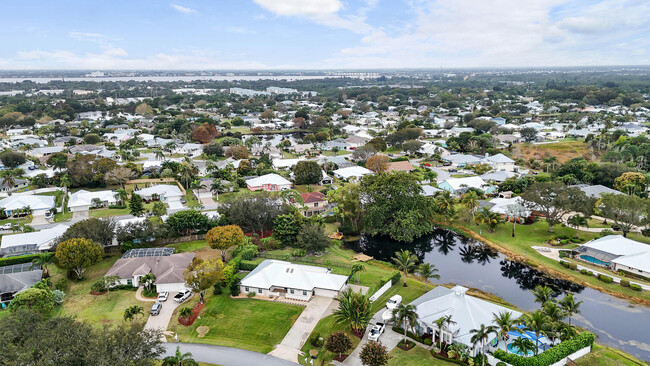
{"x":167,"y":268}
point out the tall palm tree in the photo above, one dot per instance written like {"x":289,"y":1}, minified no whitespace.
{"x":543,"y":294}
{"x":159,"y":154}
{"x":471,"y":201}
{"x":555,"y":315}
{"x":576,"y":221}
{"x":354,"y":309}
{"x":405,"y":261}
{"x":504,"y":323}
{"x":122,"y":195}
{"x":357,"y":268}
{"x":406,"y":315}
{"x":524,"y":345}
{"x":538,"y":323}
{"x":180,"y":359}
{"x":489,"y":218}
{"x":570,"y":306}
{"x":445,"y":204}
{"x":566,"y":331}
{"x":482,"y":335}
{"x":42,"y":261}
{"x":427,"y":271}
{"x":185,"y":312}
{"x":9,"y":177}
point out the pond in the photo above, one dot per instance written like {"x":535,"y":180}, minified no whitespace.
{"x":470,"y":263}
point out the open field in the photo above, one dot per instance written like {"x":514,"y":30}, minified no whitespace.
{"x":562,"y":150}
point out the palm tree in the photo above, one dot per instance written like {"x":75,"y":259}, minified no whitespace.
{"x":445,"y":204}
{"x":147,"y":281}
{"x":543,"y":294}
{"x":570,"y":306}
{"x":170,"y":146}
{"x":482,"y":335}
{"x":131,"y":313}
{"x":180,"y":359}
{"x":489,"y":218}
{"x":159,"y":154}
{"x":536,"y":322}
{"x":405,"y":261}
{"x":566,"y":331}
{"x":122,"y":195}
{"x":357,"y":268}
{"x":9,"y":177}
{"x":406,"y":315}
{"x":524,"y":345}
{"x":576,"y":221}
{"x":42,"y":261}
{"x":185,"y":312}
{"x":471,"y":201}
{"x":555,"y":314}
{"x":427,"y":271}
{"x":504,"y":323}
{"x":354,"y":309}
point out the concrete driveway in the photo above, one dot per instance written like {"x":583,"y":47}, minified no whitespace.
{"x":224,"y":356}
{"x":39,"y":220}
{"x":80,"y":216}
{"x":161,"y":321}
{"x":289,"y":348}
{"x":389,"y":339}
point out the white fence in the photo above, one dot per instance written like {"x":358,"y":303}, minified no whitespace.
{"x":381,"y":291}
{"x":574,"y":356}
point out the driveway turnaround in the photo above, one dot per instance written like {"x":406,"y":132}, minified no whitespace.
{"x":225,"y":356}
{"x":289,"y":348}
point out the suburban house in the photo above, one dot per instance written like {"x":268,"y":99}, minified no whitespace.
{"x":269,"y":182}
{"x":167,"y":268}
{"x":167,"y":193}
{"x":38,"y":204}
{"x":315,"y":203}
{"x":617,"y":252}
{"x":596,"y":190}
{"x":460,"y":185}
{"x":402,"y":166}
{"x":467,"y":312}
{"x":16,"y":278}
{"x":276,"y":278}
{"x":28,"y":243}
{"x":18,"y":184}
{"x":189,"y":149}
{"x":462,"y":160}
{"x":353,"y":172}
{"x":83,"y":200}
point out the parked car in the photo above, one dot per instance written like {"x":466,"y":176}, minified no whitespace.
{"x":162,"y":297}
{"x":376,"y":331}
{"x":155,"y":309}
{"x":6,"y":226}
{"x":394,"y":302}
{"x":182,"y":296}
{"x":48,"y":214}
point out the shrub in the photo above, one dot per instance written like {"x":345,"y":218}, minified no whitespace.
{"x":606,"y":232}
{"x":625,"y":282}
{"x":250,"y":294}
{"x":117,"y":206}
{"x":61,"y":284}
{"x":573,"y":266}
{"x":501,"y":363}
{"x":218,"y":289}
{"x":564,"y":264}
{"x":635,"y":287}
{"x":586,"y":272}
{"x":298,"y":253}
{"x":409,"y":334}
{"x":20,"y":259}
{"x":98,"y":286}
{"x":234,"y":288}
{"x":565,"y":254}
{"x":428,"y":342}
{"x":271,"y":243}
{"x":315,"y":340}
{"x":550,"y":356}
{"x":605,"y":279}
{"x":247,"y":265}
{"x":247,"y":252}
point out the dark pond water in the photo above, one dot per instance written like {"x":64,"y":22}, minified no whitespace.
{"x":470,"y":263}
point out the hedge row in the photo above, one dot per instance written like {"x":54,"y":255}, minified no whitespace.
{"x":409,"y":334}
{"x":28,"y":258}
{"x":245,"y":265}
{"x":395,"y":277}
{"x":635,"y":287}
{"x":550,"y":356}
{"x":605,"y":279}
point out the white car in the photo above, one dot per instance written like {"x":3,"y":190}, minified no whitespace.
{"x":162,"y":297}
{"x":6,"y":227}
{"x":182,"y":296}
{"x":394,"y":302}
{"x":376,"y":331}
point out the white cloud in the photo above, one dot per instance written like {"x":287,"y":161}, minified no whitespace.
{"x":183,"y":9}
{"x":323,"y":12}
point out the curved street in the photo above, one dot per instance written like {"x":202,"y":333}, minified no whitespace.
{"x":225,"y":356}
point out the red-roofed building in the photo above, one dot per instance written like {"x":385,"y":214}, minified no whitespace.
{"x":315,"y":203}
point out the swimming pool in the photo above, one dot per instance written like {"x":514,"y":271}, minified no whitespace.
{"x":516,"y":351}
{"x":593,"y":260}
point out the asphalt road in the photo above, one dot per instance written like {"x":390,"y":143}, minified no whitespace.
{"x":225,"y":356}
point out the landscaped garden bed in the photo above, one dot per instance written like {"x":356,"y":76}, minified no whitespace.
{"x":406,"y":345}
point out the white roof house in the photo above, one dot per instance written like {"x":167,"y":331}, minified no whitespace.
{"x":461,"y":160}
{"x":617,"y":245}
{"x":454,"y":184}
{"x":39,"y":204}
{"x":354,"y":172}
{"x":503,"y":205}
{"x":269,"y":182}
{"x":618,"y":252}
{"x":285,"y":163}
{"x":33,"y":242}
{"x":500,"y":162}
{"x":295,"y":281}
{"x":82,"y":200}
{"x":166,"y":192}
{"x":467,"y":312}
{"x":637,"y":263}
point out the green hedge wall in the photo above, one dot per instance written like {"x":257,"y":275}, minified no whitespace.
{"x":245,"y":265}
{"x":28,"y":258}
{"x":550,"y":356}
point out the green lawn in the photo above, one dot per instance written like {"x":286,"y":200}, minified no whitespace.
{"x":417,"y":356}
{"x":99,"y":310}
{"x":606,"y":356}
{"x":62,"y":217}
{"x":255,"y":325}
{"x":108,"y":212}
{"x":537,"y":234}
{"x":21,"y":221}
{"x":188,"y":246}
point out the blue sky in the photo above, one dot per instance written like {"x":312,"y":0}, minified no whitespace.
{"x":322,"y":34}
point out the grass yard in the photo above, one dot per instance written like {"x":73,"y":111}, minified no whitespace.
{"x":108,"y":212}
{"x":188,"y":246}
{"x":62,"y":217}
{"x":606,"y":356}
{"x":418,"y":356}
{"x":536,"y":235}
{"x":99,"y":310}
{"x":255,"y":325}
{"x":563,"y":151}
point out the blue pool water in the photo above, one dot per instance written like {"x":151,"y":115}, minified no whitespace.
{"x":593,"y":260}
